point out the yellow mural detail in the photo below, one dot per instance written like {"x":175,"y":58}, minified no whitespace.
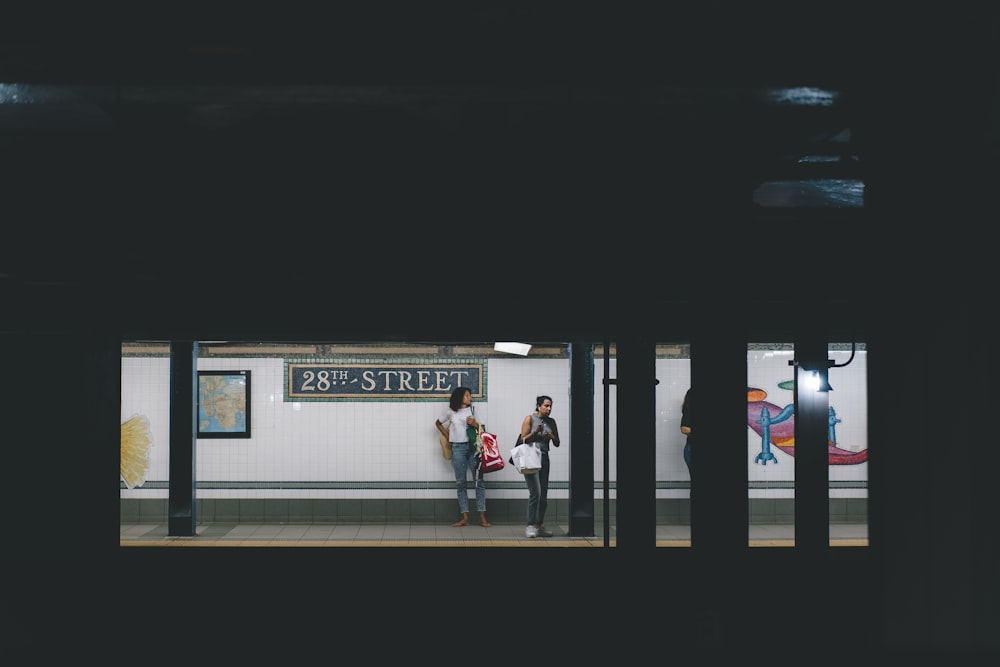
{"x":135,"y":445}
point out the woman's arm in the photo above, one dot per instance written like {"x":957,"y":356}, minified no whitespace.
{"x":526,"y":429}
{"x":555,"y":432}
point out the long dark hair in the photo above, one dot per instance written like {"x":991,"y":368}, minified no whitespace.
{"x":455,"y":402}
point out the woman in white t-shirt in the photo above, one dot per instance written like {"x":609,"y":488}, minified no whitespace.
{"x":453,"y":425}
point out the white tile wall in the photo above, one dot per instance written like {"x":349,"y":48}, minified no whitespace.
{"x":395,"y":441}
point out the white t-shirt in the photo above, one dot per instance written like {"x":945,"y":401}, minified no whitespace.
{"x":456,"y":424}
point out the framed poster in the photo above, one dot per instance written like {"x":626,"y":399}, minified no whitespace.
{"x":223,"y":404}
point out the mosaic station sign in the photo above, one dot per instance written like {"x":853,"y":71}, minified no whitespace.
{"x":384,"y":381}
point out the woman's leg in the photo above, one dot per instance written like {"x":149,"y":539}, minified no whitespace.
{"x":534,"y":491}
{"x":543,"y":488}
{"x":480,"y":491}
{"x":460,"y":463}
{"x":480,"y":495}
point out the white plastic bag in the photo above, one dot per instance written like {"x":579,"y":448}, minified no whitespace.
{"x":527,"y":458}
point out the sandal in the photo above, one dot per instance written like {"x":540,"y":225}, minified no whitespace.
{"x":484,"y":523}
{"x":462,"y":522}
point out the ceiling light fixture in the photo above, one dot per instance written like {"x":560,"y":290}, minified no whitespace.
{"x":521,"y":349}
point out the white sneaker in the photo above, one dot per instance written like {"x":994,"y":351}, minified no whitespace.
{"x":529,"y":531}
{"x":542,"y":531}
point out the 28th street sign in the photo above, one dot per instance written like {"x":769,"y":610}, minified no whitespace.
{"x":354,"y":381}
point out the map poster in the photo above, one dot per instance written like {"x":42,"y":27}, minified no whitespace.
{"x":223,"y":404}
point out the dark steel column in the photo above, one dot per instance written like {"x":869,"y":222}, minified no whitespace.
{"x":581,"y":443}
{"x":183,"y":437}
{"x":719,"y":504}
{"x":812,"y":475}
{"x":635,"y":385}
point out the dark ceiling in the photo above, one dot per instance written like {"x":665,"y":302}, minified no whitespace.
{"x":433,"y":42}
{"x":355,"y":141}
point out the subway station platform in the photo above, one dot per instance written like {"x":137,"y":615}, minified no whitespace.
{"x":416,"y":535}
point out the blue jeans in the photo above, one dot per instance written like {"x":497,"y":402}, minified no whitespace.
{"x":538,"y":492}
{"x":463,"y":460}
